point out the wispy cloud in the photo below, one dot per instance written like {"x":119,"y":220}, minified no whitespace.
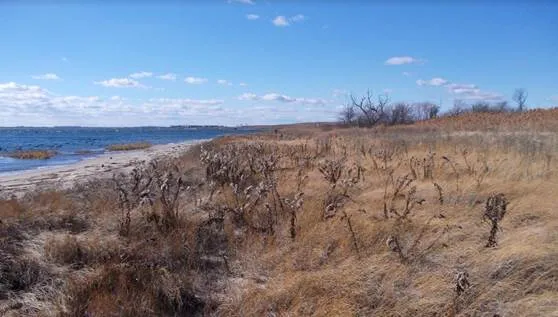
{"x":140,"y":75}
{"x":282,"y":21}
{"x":298,"y":18}
{"x":243,"y":84}
{"x":251,"y":2}
{"x":281,"y":98}
{"x":472,"y":92}
{"x":224,"y":82}
{"x":195,"y":80}
{"x":340,"y":92}
{"x":187,"y":101}
{"x":252,"y":16}
{"x":407,"y":74}
{"x":64,"y":59}
{"x":47,"y":76}
{"x":436,"y":81}
{"x":167,"y":76}
{"x":402,"y":60}
{"x":120,"y":83}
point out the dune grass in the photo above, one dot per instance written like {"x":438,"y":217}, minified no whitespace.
{"x":32,"y":154}
{"x":129,"y":146}
{"x":344,"y":222}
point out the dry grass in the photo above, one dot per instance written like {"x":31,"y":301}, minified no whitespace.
{"x":32,"y":154}
{"x":129,"y":146}
{"x":346,"y":222}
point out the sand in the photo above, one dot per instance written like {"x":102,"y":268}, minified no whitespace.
{"x":102,"y":166}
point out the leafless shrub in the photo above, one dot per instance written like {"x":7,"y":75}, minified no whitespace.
{"x":494,"y":211}
{"x":331,"y":170}
{"x":133,"y":189}
{"x":394,"y":190}
{"x":455,"y":171}
{"x":422,"y":168}
{"x":341,"y":180}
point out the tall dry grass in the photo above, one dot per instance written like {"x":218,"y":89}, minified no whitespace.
{"x":344,"y":222}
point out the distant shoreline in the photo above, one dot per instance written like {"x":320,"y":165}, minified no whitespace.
{"x":99,"y":166}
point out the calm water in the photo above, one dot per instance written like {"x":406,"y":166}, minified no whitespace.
{"x":69,"y":141}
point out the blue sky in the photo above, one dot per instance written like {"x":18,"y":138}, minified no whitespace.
{"x":259,"y":62}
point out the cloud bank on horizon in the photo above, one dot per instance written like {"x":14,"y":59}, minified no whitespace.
{"x":262,"y":63}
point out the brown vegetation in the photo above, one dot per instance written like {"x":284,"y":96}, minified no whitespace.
{"x":344,"y":222}
{"x":129,"y":146}
{"x":32,"y":154}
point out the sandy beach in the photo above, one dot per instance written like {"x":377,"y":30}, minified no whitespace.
{"x":102,"y":166}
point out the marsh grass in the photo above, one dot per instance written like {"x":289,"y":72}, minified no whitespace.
{"x":129,"y":146}
{"x":32,"y":154}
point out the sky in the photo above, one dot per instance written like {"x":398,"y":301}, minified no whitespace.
{"x":238,"y":62}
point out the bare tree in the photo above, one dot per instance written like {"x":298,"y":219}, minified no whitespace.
{"x":520,"y":97}
{"x":348,"y":115}
{"x":401,"y":113}
{"x":459,"y":108}
{"x":426,"y":110}
{"x":371,"y":112}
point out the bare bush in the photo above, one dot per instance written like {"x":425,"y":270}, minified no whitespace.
{"x":494,"y":211}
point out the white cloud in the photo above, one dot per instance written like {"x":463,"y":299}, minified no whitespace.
{"x":280,"y":21}
{"x":283,"y":21}
{"x":462,"y":88}
{"x":47,"y":76}
{"x":401,"y":60}
{"x":224,"y":82}
{"x":252,"y":16}
{"x":167,"y":76}
{"x":241,"y":1}
{"x":243,"y":84}
{"x":472,"y":92}
{"x":281,"y":98}
{"x":141,"y":75}
{"x":35,"y":106}
{"x":64,"y":59}
{"x":120,"y":83}
{"x":436,"y":81}
{"x":248,"y":96}
{"x":407,"y":74}
{"x":195,"y":80}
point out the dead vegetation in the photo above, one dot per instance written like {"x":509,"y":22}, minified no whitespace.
{"x":335,"y":223}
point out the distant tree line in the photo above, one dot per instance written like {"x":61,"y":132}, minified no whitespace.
{"x":368,"y":111}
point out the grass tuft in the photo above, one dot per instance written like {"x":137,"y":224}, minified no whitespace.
{"x":32,"y":154}
{"x":129,"y":146}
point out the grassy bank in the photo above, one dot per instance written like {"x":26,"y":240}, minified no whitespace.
{"x":303,"y":222}
{"x":129,"y":146}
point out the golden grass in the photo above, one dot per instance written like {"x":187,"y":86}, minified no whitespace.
{"x":202,"y":265}
{"x":129,"y":146}
{"x":32,"y":154}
